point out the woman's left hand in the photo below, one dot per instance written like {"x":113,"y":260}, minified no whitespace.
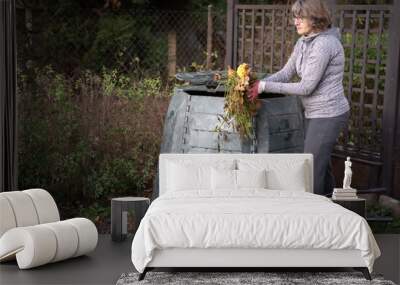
{"x":253,"y":91}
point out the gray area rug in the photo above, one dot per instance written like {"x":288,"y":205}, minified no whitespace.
{"x":232,"y":278}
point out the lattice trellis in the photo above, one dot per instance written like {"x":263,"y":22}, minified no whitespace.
{"x":365,"y":40}
{"x":264,"y":36}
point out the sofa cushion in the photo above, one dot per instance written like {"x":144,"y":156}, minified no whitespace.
{"x":45,"y":205}
{"x":24,"y":210}
{"x":7,"y":218}
{"x":67,"y":240}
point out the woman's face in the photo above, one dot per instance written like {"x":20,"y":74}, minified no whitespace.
{"x":303,"y":25}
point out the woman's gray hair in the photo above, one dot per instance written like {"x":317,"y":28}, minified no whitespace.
{"x":314,"y":10}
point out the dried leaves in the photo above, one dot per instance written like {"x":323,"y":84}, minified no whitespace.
{"x":238,"y":109}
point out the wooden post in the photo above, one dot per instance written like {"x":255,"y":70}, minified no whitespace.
{"x":171,"y":53}
{"x":391,"y":99}
{"x":209,"y":36}
{"x":230,"y":28}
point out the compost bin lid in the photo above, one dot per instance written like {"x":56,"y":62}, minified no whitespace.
{"x":201,"y":82}
{"x":211,"y":83}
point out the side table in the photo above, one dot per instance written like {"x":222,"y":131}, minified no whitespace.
{"x":357,"y":205}
{"x":119,"y":214}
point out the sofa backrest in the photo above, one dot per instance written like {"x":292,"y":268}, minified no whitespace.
{"x":26,"y":208}
{"x":292,"y":171}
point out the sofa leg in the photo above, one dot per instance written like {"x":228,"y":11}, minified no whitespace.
{"x":143,"y":274}
{"x":364,"y":271}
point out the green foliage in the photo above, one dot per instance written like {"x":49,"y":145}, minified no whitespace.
{"x":118,"y":84}
{"x":49,"y":152}
{"x":379,"y":211}
{"x":89,"y":137}
{"x":77,"y":38}
{"x":119,"y":35}
{"x":116,"y":177}
{"x":115,"y":83}
{"x":95,"y":211}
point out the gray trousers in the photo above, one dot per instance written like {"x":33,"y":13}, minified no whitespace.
{"x":321,"y":136}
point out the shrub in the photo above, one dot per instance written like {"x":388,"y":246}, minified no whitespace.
{"x":89,"y":137}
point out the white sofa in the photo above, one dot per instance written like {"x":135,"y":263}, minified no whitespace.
{"x":31,"y":231}
{"x":178,"y":230}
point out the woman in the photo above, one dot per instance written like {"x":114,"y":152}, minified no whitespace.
{"x":318,"y":59}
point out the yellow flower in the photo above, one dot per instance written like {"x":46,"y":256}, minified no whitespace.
{"x":243,"y":70}
{"x":245,"y":81}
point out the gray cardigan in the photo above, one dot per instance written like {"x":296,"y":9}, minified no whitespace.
{"x":318,"y":60}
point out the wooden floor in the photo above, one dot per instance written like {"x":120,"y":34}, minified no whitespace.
{"x":103,"y":266}
{"x":110,"y":259}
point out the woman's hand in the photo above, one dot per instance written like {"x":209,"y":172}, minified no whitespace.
{"x":253,"y":91}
